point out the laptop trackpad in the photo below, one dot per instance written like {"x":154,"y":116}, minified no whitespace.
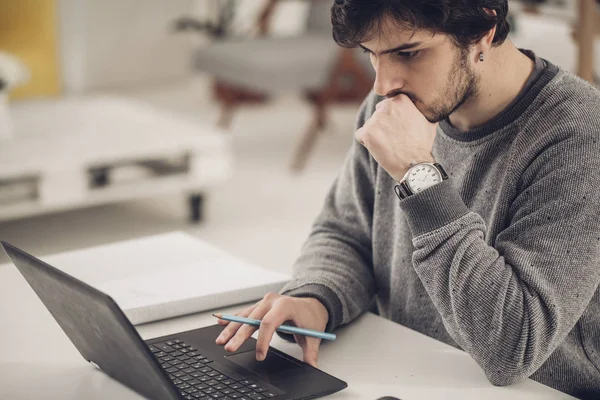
{"x":273,"y":367}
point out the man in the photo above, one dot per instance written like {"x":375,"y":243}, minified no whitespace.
{"x":501,"y":259}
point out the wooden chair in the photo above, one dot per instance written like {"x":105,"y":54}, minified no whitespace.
{"x":248,"y":70}
{"x":586,"y":28}
{"x":586,"y":31}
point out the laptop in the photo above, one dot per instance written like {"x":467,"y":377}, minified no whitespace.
{"x":187,"y":365}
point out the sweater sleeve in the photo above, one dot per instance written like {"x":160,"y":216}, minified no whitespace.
{"x":510,"y":302}
{"x":335,"y":265}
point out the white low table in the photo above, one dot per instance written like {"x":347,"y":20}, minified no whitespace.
{"x":76,"y":152}
{"x":375,"y":356}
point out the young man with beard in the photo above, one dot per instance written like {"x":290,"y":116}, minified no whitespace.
{"x":469,"y":207}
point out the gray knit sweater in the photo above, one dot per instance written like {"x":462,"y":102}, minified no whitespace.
{"x":501,"y":260}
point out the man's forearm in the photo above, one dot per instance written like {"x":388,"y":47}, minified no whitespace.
{"x":338,"y":273}
{"x":510,"y":305}
{"x":336,"y":262}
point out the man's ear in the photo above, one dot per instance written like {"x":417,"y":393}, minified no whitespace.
{"x":486,"y":41}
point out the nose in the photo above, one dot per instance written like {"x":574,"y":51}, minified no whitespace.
{"x":387,"y":79}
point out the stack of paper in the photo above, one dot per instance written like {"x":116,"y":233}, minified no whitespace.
{"x":168,"y":275}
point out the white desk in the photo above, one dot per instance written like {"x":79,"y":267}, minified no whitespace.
{"x":82,"y":151}
{"x":375,"y":356}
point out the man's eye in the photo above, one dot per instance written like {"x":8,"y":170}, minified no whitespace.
{"x":408,"y":54}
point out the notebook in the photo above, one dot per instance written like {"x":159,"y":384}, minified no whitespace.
{"x":168,"y":275}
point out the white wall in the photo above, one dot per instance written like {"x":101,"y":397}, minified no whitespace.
{"x":550,"y":38}
{"x":289,"y":17}
{"x":72,"y":20}
{"x":109,"y":43}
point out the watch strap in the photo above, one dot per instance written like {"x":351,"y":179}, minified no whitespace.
{"x":442,"y":171}
{"x":400,"y":190}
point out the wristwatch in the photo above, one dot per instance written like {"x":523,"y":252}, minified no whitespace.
{"x":420,"y":177}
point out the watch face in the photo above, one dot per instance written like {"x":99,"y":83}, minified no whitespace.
{"x":422,"y":176}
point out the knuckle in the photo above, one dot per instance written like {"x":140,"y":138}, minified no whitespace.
{"x":274,"y":318}
{"x":244,"y":312}
{"x":286,"y":302}
{"x":365,"y":139}
{"x":267,"y":323}
{"x":270,"y":296}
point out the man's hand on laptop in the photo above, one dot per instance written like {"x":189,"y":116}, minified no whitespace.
{"x":274,"y":310}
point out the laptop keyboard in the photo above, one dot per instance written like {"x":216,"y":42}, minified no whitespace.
{"x":198,"y":377}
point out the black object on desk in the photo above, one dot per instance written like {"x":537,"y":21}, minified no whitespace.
{"x":184,"y":366}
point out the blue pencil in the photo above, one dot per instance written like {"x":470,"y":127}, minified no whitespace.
{"x":282,"y":328}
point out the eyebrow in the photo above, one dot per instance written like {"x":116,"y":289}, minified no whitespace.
{"x":405,"y":46}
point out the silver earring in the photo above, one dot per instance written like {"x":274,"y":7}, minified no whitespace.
{"x":481,"y":56}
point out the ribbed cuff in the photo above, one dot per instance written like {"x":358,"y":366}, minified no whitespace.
{"x":433,"y":208}
{"x":326,"y":296}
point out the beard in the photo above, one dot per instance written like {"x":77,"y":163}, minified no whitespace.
{"x":462,"y":85}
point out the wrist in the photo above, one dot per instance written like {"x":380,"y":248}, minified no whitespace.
{"x":420,"y":160}
{"x":420,"y":177}
{"x":414,"y":161}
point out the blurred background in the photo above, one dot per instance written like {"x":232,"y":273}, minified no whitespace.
{"x":226,"y":119}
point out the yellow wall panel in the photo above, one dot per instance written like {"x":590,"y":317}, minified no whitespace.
{"x":28,"y":30}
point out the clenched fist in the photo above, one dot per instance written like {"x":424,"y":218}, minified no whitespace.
{"x":398,"y":134}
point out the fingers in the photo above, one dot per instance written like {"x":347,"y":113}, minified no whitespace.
{"x":382,"y":106}
{"x":242,"y":333}
{"x":311,"y":351}
{"x":386,"y":105}
{"x":310,"y":348}
{"x":393,"y":104}
{"x":273,"y":311}
{"x":401,"y":97}
{"x":359,"y":135}
{"x":281,"y":311}
{"x":232,"y":327}
{"x":240,"y":337}
{"x":364,"y":133}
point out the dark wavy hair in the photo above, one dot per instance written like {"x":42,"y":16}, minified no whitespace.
{"x":465,"y":21}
